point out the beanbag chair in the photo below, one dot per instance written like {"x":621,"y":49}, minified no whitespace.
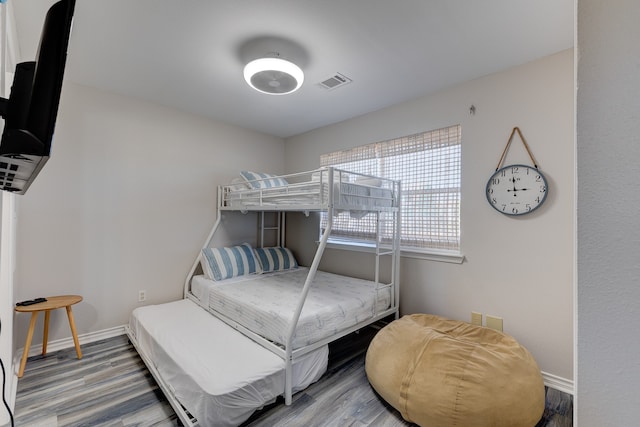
{"x":446,"y":373}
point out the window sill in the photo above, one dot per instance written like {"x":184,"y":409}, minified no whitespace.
{"x":453,"y":257}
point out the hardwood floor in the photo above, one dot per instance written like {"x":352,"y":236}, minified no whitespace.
{"x":110,"y":386}
{"x":342,"y":397}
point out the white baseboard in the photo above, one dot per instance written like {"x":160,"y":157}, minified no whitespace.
{"x":558,"y":383}
{"x":550,"y":380}
{"x":56,"y":345}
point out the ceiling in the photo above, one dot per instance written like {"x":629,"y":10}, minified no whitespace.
{"x":190,"y":54}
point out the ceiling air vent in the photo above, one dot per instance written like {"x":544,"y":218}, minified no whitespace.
{"x":335,"y":81}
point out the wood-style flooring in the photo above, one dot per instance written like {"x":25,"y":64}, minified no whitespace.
{"x":110,"y":386}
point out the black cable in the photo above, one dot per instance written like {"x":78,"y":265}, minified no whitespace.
{"x":4,"y":400}
{"x":4,"y":382}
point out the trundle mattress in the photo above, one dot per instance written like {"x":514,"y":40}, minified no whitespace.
{"x":219,"y":375}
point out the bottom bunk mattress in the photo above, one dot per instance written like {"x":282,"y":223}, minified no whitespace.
{"x":265,"y":303}
{"x":217,"y":374}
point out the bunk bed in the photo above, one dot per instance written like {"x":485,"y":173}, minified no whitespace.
{"x":260,"y":304}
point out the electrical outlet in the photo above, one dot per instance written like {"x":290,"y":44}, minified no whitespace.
{"x":142,"y":296}
{"x":476,"y":318}
{"x":494,"y":322}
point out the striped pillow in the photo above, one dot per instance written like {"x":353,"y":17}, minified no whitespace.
{"x":266,"y":180}
{"x":224,"y":263}
{"x":275,"y":259}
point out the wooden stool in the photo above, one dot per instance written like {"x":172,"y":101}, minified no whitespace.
{"x":51,"y":304}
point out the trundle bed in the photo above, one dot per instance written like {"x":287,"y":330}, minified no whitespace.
{"x":253,"y":324}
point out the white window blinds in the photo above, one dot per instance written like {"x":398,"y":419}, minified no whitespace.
{"x":428,"y":164}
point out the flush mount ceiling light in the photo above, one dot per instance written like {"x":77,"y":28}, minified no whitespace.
{"x":273,"y":76}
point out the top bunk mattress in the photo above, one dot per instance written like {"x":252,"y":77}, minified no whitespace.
{"x":265,"y":303}
{"x":311,"y":190}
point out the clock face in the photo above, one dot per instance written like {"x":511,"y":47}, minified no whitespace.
{"x":516,"y":189}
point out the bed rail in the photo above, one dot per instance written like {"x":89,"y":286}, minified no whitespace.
{"x":313,"y":190}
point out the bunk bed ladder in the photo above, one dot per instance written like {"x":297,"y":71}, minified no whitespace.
{"x":279,"y":227}
{"x":382,"y":218}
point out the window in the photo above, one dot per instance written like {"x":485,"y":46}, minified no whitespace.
{"x":428,"y":164}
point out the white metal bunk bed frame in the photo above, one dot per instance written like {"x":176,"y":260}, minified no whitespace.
{"x":326,"y":204}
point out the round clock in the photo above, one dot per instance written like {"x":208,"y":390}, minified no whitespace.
{"x":516,"y":189}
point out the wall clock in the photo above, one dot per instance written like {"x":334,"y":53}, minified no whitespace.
{"x":516,"y":189}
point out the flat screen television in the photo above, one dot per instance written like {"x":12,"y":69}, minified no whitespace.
{"x":31,"y":110}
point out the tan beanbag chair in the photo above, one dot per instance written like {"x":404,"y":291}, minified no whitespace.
{"x":446,"y":373}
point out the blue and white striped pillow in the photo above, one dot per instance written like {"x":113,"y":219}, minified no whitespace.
{"x":224,"y":263}
{"x":275,"y":259}
{"x":266,"y":180}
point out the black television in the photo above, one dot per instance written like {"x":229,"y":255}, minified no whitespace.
{"x":31,"y":110}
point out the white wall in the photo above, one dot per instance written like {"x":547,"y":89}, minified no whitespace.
{"x":7,"y":252}
{"x":518,"y":268}
{"x":8,"y":49}
{"x":608,"y":153}
{"x":124,"y":204}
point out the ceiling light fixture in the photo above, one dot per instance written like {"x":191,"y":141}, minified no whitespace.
{"x":273,"y":76}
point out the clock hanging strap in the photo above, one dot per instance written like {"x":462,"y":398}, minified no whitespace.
{"x":524,"y":142}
